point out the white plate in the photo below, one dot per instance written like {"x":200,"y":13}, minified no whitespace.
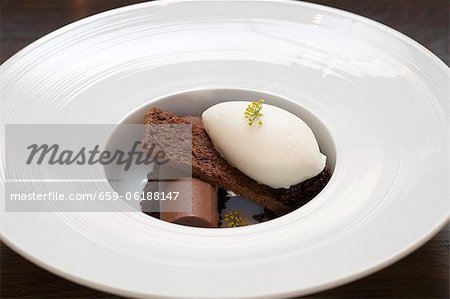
{"x":383,"y":97}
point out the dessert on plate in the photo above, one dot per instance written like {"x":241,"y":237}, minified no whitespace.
{"x":251,"y":162}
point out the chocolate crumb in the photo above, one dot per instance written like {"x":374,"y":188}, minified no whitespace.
{"x":300,"y":194}
{"x":266,"y":216}
{"x":221,"y":200}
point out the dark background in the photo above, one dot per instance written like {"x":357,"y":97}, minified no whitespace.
{"x":423,"y":274}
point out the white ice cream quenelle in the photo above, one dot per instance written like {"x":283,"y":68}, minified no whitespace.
{"x":281,"y":152}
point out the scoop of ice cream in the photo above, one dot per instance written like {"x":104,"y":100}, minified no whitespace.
{"x":280,"y":152}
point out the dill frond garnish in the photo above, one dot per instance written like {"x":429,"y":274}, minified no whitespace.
{"x":234,"y":219}
{"x":253,"y":112}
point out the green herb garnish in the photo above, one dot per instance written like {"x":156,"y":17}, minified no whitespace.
{"x":253,"y":112}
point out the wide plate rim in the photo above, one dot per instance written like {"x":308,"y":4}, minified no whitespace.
{"x":440,"y":223}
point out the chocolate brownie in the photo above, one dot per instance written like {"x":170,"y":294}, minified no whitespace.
{"x":207,"y":163}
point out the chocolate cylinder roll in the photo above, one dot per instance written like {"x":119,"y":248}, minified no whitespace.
{"x":196,"y":204}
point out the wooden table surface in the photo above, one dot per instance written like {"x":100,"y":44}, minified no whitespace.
{"x":423,"y":274}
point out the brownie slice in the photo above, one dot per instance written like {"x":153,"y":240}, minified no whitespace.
{"x":207,"y":164}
